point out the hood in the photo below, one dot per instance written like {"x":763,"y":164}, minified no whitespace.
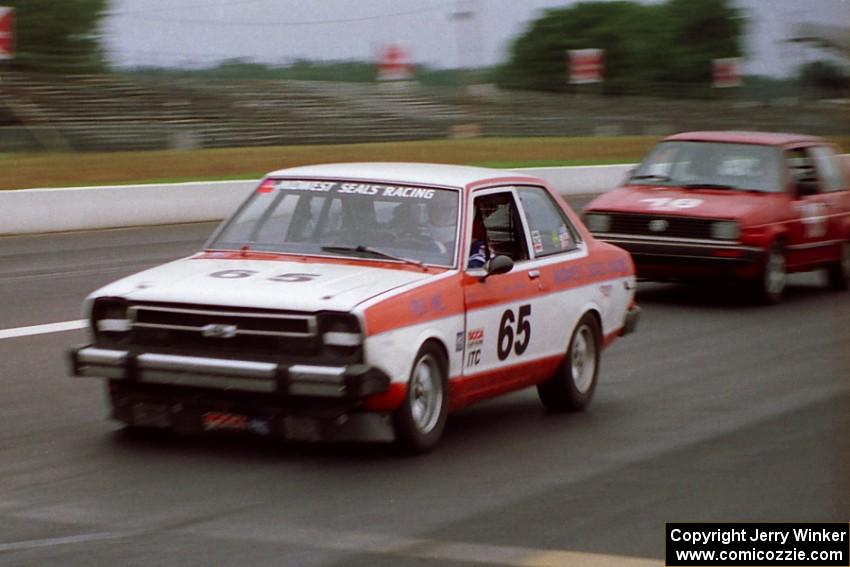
{"x":710,"y":203}
{"x":264,"y":284}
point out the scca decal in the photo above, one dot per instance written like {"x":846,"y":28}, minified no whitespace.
{"x":475,"y":337}
{"x":281,"y":278}
{"x":474,"y":340}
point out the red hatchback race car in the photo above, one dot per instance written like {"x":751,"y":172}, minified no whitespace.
{"x":748,"y":206}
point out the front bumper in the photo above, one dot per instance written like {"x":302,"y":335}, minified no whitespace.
{"x":669,"y":257}
{"x":351,"y":382}
{"x":193,"y":394}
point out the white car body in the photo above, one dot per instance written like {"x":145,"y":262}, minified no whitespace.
{"x":489,"y":333}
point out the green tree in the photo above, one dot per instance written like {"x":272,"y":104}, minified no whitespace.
{"x":824,"y":77}
{"x":645,"y":45}
{"x":700,"y":31}
{"x":538,"y":58}
{"x":58,"y":35}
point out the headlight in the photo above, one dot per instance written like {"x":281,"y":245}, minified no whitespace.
{"x":340,"y":334}
{"x":725,"y":230}
{"x":339,"y":338}
{"x":109,"y":318}
{"x":597,"y":222}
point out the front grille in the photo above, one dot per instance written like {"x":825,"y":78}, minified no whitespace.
{"x":673,"y":226}
{"x":208,"y":323}
{"x":223,"y":331}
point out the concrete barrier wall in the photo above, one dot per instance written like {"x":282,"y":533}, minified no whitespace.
{"x":581,"y":180}
{"x":30,"y":211}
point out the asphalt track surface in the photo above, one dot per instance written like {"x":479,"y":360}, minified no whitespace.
{"x":714,"y":410}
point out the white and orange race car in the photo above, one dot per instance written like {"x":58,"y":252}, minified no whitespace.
{"x":364,"y":301}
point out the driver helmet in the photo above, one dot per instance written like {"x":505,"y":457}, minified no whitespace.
{"x":442,"y":216}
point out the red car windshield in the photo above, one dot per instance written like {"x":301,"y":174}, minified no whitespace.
{"x":719,"y":165}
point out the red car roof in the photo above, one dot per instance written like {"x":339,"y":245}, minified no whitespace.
{"x":739,"y":137}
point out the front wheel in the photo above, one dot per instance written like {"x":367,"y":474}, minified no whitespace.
{"x":770,"y":285}
{"x":839,"y":272}
{"x":571,"y":387}
{"x":421,"y":419}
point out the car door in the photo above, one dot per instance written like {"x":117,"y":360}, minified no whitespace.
{"x":501,"y":337}
{"x":574,"y":279}
{"x":818,"y":204}
{"x":834,"y":194}
{"x":517,"y":327}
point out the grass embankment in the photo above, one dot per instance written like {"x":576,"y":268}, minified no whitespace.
{"x":20,"y":171}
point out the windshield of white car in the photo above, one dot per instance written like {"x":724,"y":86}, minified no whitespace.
{"x":369,"y":250}
{"x":711,"y":165}
{"x":395,"y":222}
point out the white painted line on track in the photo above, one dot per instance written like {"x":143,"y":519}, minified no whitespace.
{"x":43,"y":329}
{"x":395,"y":545}
{"x":54,"y":541}
{"x":474,"y":553}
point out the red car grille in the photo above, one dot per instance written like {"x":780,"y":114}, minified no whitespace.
{"x":661,"y":225}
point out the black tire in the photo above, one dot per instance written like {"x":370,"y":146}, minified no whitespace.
{"x":769,"y":287}
{"x":140,"y":433}
{"x":419,"y":422}
{"x":572,"y":386}
{"x":839,"y":272}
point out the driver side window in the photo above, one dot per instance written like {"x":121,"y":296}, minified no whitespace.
{"x":829,"y":168}
{"x":802,"y":171}
{"x":551,"y":231}
{"x":503,"y":232}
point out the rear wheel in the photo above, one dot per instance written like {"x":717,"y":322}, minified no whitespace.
{"x":839,"y":272}
{"x":571,"y":387}
{"x":421,"y":419}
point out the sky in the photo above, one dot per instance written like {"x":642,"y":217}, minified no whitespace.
{"x":197,"y":33}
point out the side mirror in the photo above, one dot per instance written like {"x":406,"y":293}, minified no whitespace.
{"x":499,"y":264}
